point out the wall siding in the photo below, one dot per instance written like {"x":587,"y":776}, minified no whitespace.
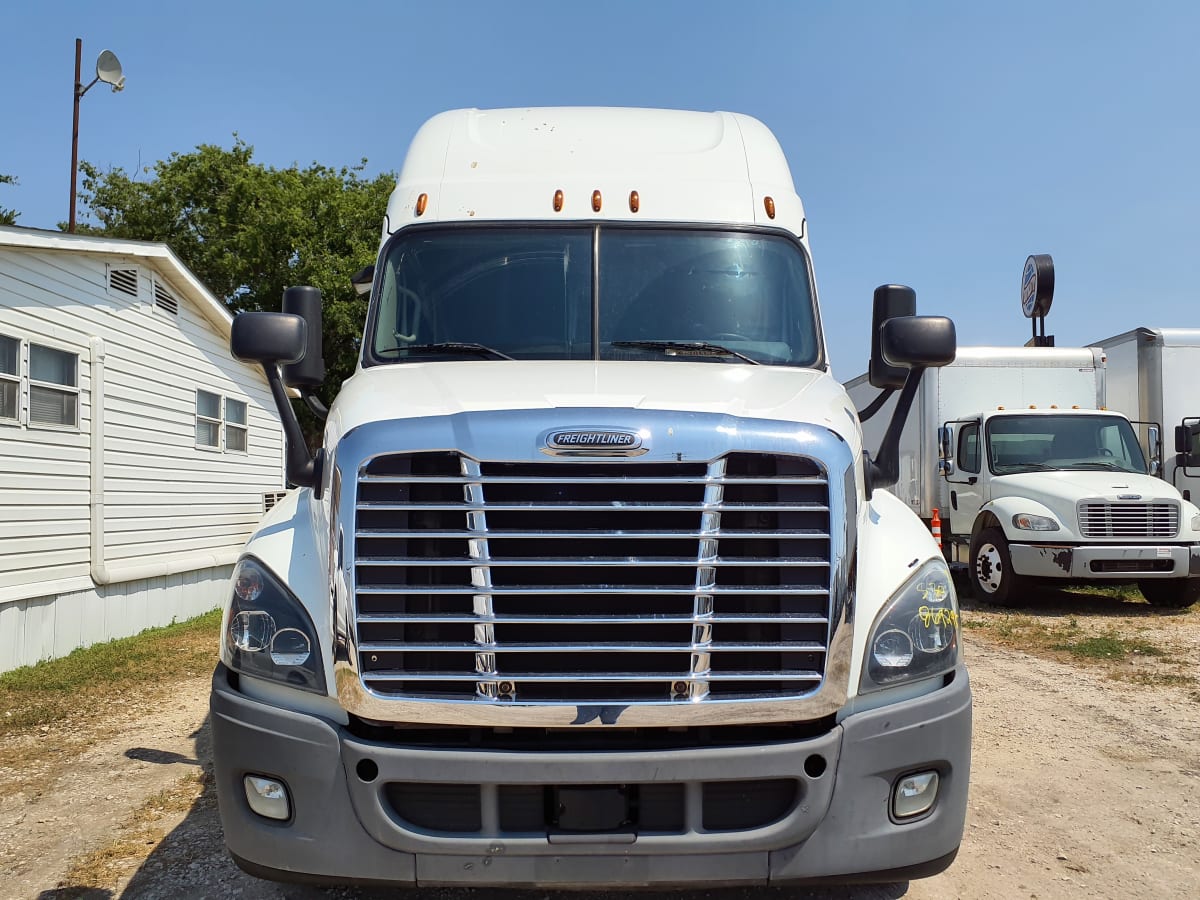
{"x":164,"y":497}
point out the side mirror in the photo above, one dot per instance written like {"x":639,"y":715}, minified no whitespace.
{"x":1154,"y":442}
{"x":946,"y":450}
{"x":363,"y":279}
{"x":918,"y":342}
{"x":308,"y":371}
{"x":268,"y":338}
{"x":891,"y":301}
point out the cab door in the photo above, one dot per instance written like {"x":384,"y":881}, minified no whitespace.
{"x":966,"y":479}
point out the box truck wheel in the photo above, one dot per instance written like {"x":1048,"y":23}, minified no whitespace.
{"x":992,"y":575}
{"x":1174,"y":593}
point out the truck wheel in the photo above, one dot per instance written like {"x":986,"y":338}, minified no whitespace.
{"x":992,"y":575}
{"x":1173,"y":593}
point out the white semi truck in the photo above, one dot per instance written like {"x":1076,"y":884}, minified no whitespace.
{"x":1151,"y":377}
{"x":1036,"y":480}
{"x":592,"y":580}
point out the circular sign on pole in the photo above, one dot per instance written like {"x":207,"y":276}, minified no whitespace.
{"x":1037,"y":285}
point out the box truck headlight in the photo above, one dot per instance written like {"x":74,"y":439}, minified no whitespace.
{"x":268,"y":634}
{"x":1030,"y":522}
{"x":1195,"y":523}
{"x":916,"y":634}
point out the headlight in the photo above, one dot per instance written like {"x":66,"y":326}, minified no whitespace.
{"x":268,"y":634}
{"x":1195,"y":523}
{"x":1029,"y":522}
{"x":916,"y":634}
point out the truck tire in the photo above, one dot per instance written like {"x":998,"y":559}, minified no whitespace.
{"x":1171,"y":593}
{"x":992,"y":575}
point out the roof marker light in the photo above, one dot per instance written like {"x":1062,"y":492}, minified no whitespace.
{"x":999,"y":407}
{"x":1054,"y":406}
{"x":558,"y":201}
{"x":1032,"y":406}
{"x":769,"y":205}
{"x":634,"y":201}
{"x":595,"y":201}
{"x":422,"y":201}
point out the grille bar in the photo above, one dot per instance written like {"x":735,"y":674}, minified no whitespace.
{"x":598,"y":590}
{"x":605,"y":678}
{"x":594,"y":562}
{"x":594,"y":535}
{"x":717,"y":619}
{"x":576,"y":647}
{"x":566,"y":479}
{"x":568,"y":506}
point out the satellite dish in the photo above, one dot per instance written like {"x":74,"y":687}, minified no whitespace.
{"x":108,"y":70}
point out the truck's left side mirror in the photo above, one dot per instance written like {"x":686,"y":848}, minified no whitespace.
{"x":309,"y":370}
{"x":891,"y":301}
{"x":918,"y":342}
{"x":1154,"y":442}
{"x":946,"y":450}
{"x":269,"y":338}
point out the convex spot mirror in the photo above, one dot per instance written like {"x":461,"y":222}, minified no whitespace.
{"x":946,"y":450}
{"x":891,"y":301}
{"x":918,"y":342}
{"x":266,"y":337}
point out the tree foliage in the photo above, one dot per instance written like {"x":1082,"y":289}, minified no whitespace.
{"x":8,"y":216}
{"x":248,"y":230}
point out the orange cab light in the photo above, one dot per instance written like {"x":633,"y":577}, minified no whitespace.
{"x":769,"y":205}
{"x":1031,"y":406}
{"x":1054,"y":406}
{"x":422,"y":202}
{"x":1074,"y":406}
{"x":634,"y":201}
{"x":595,"y":201}
{"x":558,"y":201}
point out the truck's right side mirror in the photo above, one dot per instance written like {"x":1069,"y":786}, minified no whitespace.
{"x":269,"y":338}
{"x":309,"y":370}
{"x":946,"y":450}
{"x":918,"y":342}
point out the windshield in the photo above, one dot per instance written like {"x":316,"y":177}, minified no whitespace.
{"x":1035,"y":443}
{"x":594,"y":292}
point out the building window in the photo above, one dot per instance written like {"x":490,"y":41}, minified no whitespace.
{"x":221,"y":423}
{"x":53,"y":386}
{"x":235,"y":425}
{"x":208,"y":420}
{"x":10,"y":377}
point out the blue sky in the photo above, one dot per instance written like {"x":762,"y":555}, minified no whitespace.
{"x":935,"y":144}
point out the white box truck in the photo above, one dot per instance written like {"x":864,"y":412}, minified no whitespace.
{"x":591,"y":581}
{"x":1151,"y":377}
{"x":1035,"y":480}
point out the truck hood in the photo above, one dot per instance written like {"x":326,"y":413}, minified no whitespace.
{"x":416,"y":390}
{"x":1073,"y":485}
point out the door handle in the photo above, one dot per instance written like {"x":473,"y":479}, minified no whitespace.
{"x":954,"y":500}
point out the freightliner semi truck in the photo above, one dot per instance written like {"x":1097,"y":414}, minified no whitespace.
{"x":592,"y":580}
{"x":1037,"y":481}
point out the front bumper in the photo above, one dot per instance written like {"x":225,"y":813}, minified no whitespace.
{"x":345,"y":828}
{"x":1103,"y":562}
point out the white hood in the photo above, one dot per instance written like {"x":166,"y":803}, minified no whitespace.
{"x":1073,"y":485}
{"x":414,"y":390}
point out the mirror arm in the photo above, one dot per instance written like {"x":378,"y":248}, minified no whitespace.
{"x":314,"y":404}
{"x":876,"y":405}
{"x":301,"y":468}
{"x":884,"y":469}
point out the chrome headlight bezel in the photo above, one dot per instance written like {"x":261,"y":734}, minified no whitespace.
{"x":916,"y":634}
{"x":267,"y":633}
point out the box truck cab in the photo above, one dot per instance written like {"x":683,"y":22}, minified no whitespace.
{"x":592,"y":580}
{"x":1067,"y":495}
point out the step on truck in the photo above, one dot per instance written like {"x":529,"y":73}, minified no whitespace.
{"x":591,"y":581}
{"x":1036,"y":481}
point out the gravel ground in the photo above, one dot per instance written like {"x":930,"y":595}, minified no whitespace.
{"x":1082,"y":786}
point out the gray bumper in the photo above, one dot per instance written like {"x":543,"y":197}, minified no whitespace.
{"x":1102,"y":562}
{"x":343,"y":828}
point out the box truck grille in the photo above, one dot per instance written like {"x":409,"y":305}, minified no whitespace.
{"x":1099,"y":519}
{"x":580,"y":581}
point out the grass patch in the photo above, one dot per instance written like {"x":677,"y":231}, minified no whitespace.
{"x":1110,"y":646}
{"x":81,"y":687}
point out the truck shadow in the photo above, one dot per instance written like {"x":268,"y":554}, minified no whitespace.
{"x":1053,"y":602}
{"x":191,"y":862}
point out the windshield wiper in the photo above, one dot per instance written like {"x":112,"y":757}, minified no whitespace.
{"x":450,"y":347}
{"x":686,"y":348}
{"x":1097,"y":464}
{"x":1041,"y":467}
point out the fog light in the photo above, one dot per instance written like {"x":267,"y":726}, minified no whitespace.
{"x":914,"y":794}
{"x":267,"y":797}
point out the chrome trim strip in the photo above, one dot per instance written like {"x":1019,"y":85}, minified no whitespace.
{"x":673,"y":437}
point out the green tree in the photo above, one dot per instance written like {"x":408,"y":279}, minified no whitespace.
{"x":8,"y":216}
{"x":248,"y":230}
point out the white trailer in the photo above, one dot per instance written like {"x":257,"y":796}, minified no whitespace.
{"x":1151,"y":374}
{"x":1036,"y":481}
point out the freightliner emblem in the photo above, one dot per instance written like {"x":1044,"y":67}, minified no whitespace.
{"x":593,"y":442}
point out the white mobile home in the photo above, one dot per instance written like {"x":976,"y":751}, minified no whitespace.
{"x":136,"y":455}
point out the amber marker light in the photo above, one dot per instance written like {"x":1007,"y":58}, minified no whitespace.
{"x":558,"y":201}
{"x":422,"y":202}
{"x":634,"y":201}
{"x":595,"y":201}
{"x":769,"y":205}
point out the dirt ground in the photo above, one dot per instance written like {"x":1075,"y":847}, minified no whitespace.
{"x":1085,"y":781}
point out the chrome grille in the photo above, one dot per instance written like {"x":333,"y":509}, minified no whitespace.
{"x":1101,"y":519}
{"x":583,"y":582}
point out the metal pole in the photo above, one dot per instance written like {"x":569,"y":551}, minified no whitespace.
{"x":75,"y":132}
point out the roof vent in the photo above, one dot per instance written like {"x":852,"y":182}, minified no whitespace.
{"x":164,"y":299}
{"x":270,"y":498}
{"x":123,"y":281}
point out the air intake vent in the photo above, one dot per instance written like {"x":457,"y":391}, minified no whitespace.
{"x":123,"y":281}
{"x":164,"y":299}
